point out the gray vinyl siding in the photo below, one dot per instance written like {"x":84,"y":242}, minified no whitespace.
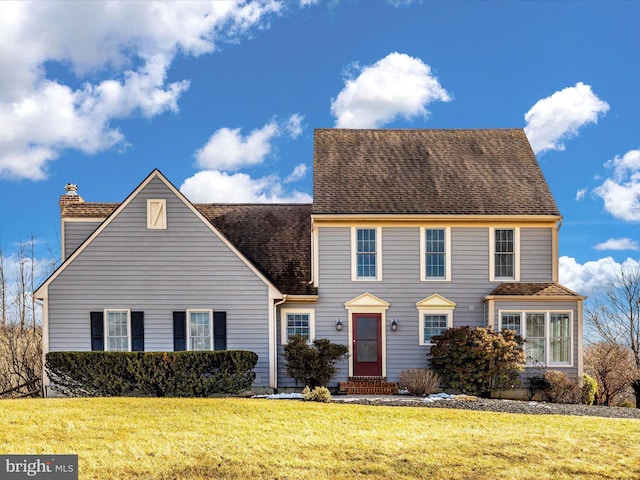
{"x":158,"y":272}
{"x":402,"y":287}
{"x":536,"y":254}
{"x":77,"y":232}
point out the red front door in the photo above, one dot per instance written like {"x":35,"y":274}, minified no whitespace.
{"x":367,"y":345}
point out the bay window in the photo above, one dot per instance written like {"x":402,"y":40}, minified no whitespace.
{"x":547,"y":336}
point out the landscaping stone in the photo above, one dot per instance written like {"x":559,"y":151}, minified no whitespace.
{"x":494,"y":405}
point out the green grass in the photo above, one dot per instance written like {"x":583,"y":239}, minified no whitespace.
{"x":133,"y":438}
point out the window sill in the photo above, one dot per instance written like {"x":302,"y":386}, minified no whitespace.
{"x":563,"y":365}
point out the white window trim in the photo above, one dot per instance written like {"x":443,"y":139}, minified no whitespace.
{"x":547,"y":338}
{"x":283,"y":323}
{"x":354,"y":255}
{"x":188,"y":326}
{"x":492,"y":254}
{"x":447,"y":254}
{"x":430,"y":311}
{"x":160,"y":220}
{"x":105,"y":317}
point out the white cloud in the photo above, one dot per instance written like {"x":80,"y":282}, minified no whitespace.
{"x":298,"y":173}
{"x":580,"y":194}
{"x":402,"y":3}
{"x":618,"y":244}
{"x":397,"y":85}
{"x":210,"y":186}
{"x":621,"y":192}
{"x":294,"y":125}
{"x":128,"y":45}
{"x":588,"y":278}
{"x":554,"y":119}
{"x":629,"y":163}
{"x":53,"y":117}
{"x":227,"y":149}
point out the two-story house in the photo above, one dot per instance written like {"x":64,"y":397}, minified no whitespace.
{"x":410,"y":232}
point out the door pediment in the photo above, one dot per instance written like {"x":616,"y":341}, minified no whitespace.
{"x":366,"y":300}
{"x":436,"y":301}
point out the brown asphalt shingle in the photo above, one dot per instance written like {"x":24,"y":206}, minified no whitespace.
{"x":89,"y":209}
{"x":275,"y":238}
{"x":533,"y":289}
{"x":439,"y":172}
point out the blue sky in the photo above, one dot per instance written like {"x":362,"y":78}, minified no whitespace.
{"x":223,"y":98}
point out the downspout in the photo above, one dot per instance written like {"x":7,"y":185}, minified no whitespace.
{"x":274,"y":376}
{"x":555,"y":274}
{"x":44,"y":343}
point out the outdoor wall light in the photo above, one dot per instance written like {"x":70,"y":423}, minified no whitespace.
{"x":394,"y":325}
{"x":338,"y":324}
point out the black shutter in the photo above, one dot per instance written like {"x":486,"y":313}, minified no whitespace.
{"x":137,"y":331}
{"x":179,"y":331}
{"x":219,"y":330}
{"x":97,"y":330}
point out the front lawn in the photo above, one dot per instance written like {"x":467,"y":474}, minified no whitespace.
{"x":152,"y":438}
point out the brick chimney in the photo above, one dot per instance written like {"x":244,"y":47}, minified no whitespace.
{"x":70,"y":197}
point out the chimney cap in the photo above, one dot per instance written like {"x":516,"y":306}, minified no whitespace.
{"x":71,"y":188}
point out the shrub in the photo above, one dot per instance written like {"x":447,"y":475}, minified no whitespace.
{"x":314,"y":364}
{"x":561,"y":388}
{"x":589,"y":389}
{"x":614,"y":369}
{"x":318,"y":394}
{"x":419,"y":381}
{"x":179,"y":374}
{"x":537,"y":384}
{"x":20,"y":360}
{"x":476,"y":361}
{"x":635,"y":386}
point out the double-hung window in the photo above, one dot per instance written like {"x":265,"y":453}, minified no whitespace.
{"x":435,"y":259}
{"x":547,"y":336}
{"x":297,"y":322}
{"x":535,"y":341}
{"x":559,"y":338}
{"x":118,"y":327}
{"x":200,"y":329}
{"x":366,"y":257}
{"x":505,"y":260}
{"x":434,"y":324}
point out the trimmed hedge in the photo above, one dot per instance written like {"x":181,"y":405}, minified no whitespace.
{"x":160,"y":374}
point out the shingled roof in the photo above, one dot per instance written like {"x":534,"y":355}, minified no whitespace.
{"x":439,"y":172}
{"x":89,"y":209}
{"x":533,"y":289}
{"x":276,"y":239}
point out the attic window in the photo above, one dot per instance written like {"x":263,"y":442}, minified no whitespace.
{"x":156,"y":214}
